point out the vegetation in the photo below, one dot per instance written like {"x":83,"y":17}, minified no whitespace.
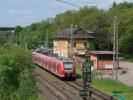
{"x":108,"y":86}
{"x":128,"y":58}
{"x":90,"y":18}
{"x":16,"y":79}
{"x":78,"y":72}
{"x":2,"y":38}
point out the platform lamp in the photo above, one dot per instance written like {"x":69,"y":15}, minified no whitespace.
{"x":84,"y":93}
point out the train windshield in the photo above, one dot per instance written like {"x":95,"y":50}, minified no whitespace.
{"x":68,"y":65}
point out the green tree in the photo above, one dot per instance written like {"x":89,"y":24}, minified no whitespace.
{"x":16,"y":69}
{"x":3,"y":38}
{"x":17,"y":34}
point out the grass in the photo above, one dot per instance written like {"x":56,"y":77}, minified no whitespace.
{"x":128,"y":58}
{"x":78,"y":72}
{"x":108,"y":86}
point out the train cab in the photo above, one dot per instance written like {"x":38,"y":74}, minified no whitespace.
{"x":69,"y":68}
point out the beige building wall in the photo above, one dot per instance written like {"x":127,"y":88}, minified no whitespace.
{"x":61,"y":47}
{"x":80,"y":48}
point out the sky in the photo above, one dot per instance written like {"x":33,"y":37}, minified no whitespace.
{"x":26,"y":12}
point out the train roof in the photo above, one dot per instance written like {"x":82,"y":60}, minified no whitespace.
{"x":65,"y":59}
{"x":45,"y":52}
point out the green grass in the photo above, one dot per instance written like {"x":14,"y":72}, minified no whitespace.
{"x":107,"y":85}
{"x":78,"y":72}
{"x":128,"y":58}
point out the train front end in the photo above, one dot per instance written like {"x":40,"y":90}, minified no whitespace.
{"x":69,"y":68}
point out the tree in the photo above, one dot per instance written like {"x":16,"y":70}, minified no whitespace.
{"x":3,"y":38}
{"x":16,"y":69}
{"x":17,"y":34}
{"x":91,"y":18}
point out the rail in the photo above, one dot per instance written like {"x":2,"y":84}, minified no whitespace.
{"x":99,"y":95}
{"x":93,"y":93}
{"x":59,"y":93}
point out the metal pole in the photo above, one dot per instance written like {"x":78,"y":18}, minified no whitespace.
{"x":85,"y":93}
{"x":115,"y":51}
{"x":71,"y":41}
{"x":46,"y":39}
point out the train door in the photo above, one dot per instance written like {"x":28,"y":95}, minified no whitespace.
{"x":58,"y":68}
{"x":44,"y":62}
{"x":54,"y":67}
{"x":34,"y":58}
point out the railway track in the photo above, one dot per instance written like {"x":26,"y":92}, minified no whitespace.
{"x":74,"y":85}
{"x":94,"y":93}
{"x":60,"y":94}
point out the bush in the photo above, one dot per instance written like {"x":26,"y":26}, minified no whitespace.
{"x":16,"y":79}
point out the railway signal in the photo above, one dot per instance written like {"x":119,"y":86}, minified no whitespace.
{"x":86,"y":75}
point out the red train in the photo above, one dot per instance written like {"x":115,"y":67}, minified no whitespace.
{"x":62,"y":68}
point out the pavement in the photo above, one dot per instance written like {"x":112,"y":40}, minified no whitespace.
{"x":126,"y":78}
{"x":125,"y":75}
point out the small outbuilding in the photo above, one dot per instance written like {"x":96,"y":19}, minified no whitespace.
{"x":101,"y":60}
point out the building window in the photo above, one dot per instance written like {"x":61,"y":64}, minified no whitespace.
{"x":105,"y":57}
{"x":85,"y":43}
{"x":74,"y":44}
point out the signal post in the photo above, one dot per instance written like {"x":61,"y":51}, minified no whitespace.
{"x":85,"y":93}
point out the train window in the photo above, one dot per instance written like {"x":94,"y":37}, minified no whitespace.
{"x":68,"y":65}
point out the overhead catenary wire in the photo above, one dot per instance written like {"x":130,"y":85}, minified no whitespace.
{"x":90,"y":3}
{"x":69,"y":3}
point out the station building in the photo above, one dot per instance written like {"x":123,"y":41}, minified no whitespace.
{"x":72,"y":40}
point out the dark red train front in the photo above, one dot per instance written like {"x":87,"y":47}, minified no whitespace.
{"x":69,"y":68}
